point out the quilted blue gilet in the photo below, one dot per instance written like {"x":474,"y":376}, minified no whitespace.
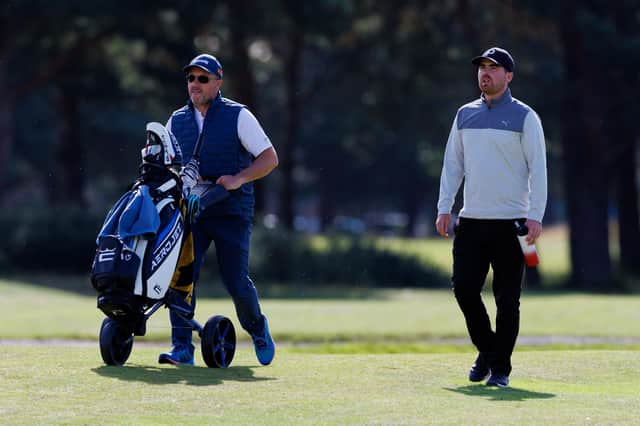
{"x":222,"y":152}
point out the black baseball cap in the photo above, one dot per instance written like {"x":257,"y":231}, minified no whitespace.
{"x":498,"y":56}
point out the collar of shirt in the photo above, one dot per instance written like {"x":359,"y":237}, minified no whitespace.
{"x":502,"y":100}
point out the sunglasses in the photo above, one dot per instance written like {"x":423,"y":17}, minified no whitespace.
{"x":201,"y":78}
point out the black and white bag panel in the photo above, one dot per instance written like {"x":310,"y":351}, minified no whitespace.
{"x":160,"y":261}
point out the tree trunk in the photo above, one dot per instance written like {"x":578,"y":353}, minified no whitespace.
{"x":244,"y":83}
{"x":327,"y":208}
{"x":6,"y":134}
{"x":628,"y":216}
{"x":585,"y":172}
{"x":467,"y":18}
{"x":70,"y":155}
{"x":292,"y":124}
{"x":6,"y":110}
{"x":622,"y":128}
{"x":243,"y":80}
{"x":413,"y":200}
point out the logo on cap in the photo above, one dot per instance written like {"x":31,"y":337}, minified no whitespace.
{"x":497,"y":55}
{"x":207,"y":62}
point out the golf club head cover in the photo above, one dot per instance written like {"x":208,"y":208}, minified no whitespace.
{"x":203,"y":195}
{"x":189,"y":175}
{"x":193,"y":207}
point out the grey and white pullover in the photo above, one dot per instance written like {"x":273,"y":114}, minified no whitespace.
{"x":500,"y":152}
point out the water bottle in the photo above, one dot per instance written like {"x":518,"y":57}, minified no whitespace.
{"x":528,"y":250}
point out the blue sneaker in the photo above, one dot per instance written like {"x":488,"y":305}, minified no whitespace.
{"x":179,"y":355}
{"x":499,"y":380}
{"x":480,"y":370}
{"x":264,"y":345}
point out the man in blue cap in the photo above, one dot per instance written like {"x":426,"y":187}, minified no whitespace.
{"x":235,"y":151}
{"x":497,"y":145}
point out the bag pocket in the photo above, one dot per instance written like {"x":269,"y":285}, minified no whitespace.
{"x":114,"y":263}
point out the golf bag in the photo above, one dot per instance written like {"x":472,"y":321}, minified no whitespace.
{"x":144,"y":259}
{"x":145,"y":249}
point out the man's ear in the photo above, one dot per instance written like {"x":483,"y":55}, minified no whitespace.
{"x":509,"y":77}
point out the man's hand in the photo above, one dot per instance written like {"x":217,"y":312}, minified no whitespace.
{"x":259,"y":168}
{"x":230,"y":182}
{"x":442,"y":224}
{"x":535,"y":229}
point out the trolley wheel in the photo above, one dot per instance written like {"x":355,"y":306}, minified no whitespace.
{"x":115,"y":342}
{"x":218,"y":342}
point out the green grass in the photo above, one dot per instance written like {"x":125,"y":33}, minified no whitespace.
{"x":375,"y":316}
{"x":553,"y":249}
{"x":70,"y":385}
{"x":435,"y":252}
{"x":376,"y":357}
{"x":345,"y":356}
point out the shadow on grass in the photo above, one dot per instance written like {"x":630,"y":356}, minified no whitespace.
{"x":194,"y":376}
{"x":500,"y":394}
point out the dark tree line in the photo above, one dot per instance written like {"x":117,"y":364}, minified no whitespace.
{"x":358,"y":97}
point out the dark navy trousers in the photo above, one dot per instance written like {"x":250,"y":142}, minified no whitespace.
{"x":231,"y":237}
{"x":478,"y":244}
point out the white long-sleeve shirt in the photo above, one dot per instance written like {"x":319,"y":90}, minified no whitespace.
{"x":500,"y":153}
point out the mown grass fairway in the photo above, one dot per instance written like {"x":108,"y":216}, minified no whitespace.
{"x":374,"y":316}
{"x":70,"y":385}
{"x":378,"y":357}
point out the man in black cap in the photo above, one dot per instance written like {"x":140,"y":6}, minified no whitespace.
{"x":235,"y":152}
{"x":497,"y":145}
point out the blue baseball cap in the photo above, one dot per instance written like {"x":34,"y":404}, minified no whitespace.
{"x":207,"y":63}
{"x":498,"y":56}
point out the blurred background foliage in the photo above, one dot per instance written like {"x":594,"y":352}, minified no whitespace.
{"x":357,"y":96}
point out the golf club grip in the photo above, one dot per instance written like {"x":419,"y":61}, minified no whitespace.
{"x":213,"y":195}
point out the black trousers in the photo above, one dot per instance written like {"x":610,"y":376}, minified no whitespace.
{"x":478,"y":244}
